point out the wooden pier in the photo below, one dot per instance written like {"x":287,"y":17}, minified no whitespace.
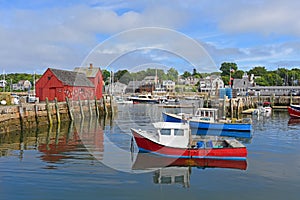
{"x":25,"y":115}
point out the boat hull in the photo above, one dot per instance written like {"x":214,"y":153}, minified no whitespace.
{"x":240,"y":130}
{"x":145,"y":101}
{"x":148,"y":146}
{"x":294,"y":111}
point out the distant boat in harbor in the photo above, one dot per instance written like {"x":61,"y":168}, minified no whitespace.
{"x":144,"y":98}
{"x":195,"y":97}
{"x":121,"y":100}
{"x":265,"y":107}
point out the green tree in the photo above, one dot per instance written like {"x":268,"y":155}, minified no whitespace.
{"x":105,"y":75}
{"x":226,"y":67}
{"x":186,"y":74}
{"x":119,"y":74}
{"x":238,"y":74}
{"x":258,"y":71}
{"x":172,"y":74}
{"x":225,"y":79}
{"x":261,"y":81}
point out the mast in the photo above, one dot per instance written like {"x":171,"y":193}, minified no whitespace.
{"x":34,"y":82}
{"x":4,"y":82}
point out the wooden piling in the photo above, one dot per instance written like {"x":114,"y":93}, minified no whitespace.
{"x":81,"y":109}
{"x":238,"y":109}
{"x":57,"y":111}
{"x":69,"y":109}
{"x":224,"y":107}
{"x":291,"y":99}
{"x":104,"y":106}
{"x":36,"y":114}
{"x":21,"y":113}
{"x":231,"y":108}
{"x":96,"y":107}
{"x":48,"y":112}
{"x":111,"y":102}
{"x":57,"y":134}
{"x":272,"y":99}
{"x":90,"y":107}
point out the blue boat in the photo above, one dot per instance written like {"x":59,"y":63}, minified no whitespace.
{"x":206,"y":119}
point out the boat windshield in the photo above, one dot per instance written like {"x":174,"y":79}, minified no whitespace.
{"x":178,"y":132}
{"x":165,"y":131}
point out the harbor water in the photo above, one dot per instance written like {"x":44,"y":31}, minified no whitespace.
{"x":97,"y":159}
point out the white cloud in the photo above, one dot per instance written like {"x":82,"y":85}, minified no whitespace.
{"x":63,"y":36}
{"x":265,"y":17}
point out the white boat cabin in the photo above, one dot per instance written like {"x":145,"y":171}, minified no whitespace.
{"x":172,"y":134}
{"x":206,"y":114}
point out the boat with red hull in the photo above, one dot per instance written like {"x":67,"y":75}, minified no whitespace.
{"x":294,"y":111}
{"x":174,"y":140}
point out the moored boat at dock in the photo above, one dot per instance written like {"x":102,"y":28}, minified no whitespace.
{"x":174,"y":140}
{"x":144,"y":98}
{"x":206,"y":119}
{"x":294,"y":111}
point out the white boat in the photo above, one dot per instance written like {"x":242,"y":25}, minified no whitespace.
{"x":265,"y":107}
{"x":120,"y":100}
{"x":145,"y":98}
{"x":195,"y":97}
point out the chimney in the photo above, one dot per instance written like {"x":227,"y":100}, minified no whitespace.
{"x":91,"y":66}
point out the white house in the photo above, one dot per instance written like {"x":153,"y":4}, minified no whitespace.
{"x":188,"y":81}
{"x":169,"y":85}
{"x":22,"y":85}
{"x":241,"y":85}
{"x":211,"y":84}
{"x":116,"y":88}
{"x":3,"y":83}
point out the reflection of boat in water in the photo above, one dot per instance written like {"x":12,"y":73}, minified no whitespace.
{"x":178,"y":171}
{"x":206,"y":119}
{"x":173,"y":175}
{"x":174,"y":140}
{"x":294,"y":121}
{"x":150,"y":161}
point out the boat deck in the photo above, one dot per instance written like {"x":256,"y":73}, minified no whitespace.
{"x":216,"y":141}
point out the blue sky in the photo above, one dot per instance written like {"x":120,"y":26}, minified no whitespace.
{"x":35,"y":35}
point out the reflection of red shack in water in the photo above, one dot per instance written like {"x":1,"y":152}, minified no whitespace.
{"x":56,"y":149}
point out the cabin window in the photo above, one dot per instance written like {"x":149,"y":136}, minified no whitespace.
{"x":179,"y":179}
{"x":165,"y":131}
{"x":178,"y":132}
{"x":166,"y":179}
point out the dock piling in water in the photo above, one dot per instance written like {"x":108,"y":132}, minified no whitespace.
{"x":96,"y":107}
{"x":48,"y":112}
{"x":81,"y":108}
{"x":57,"y":111}
{"x":69,"y":109}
